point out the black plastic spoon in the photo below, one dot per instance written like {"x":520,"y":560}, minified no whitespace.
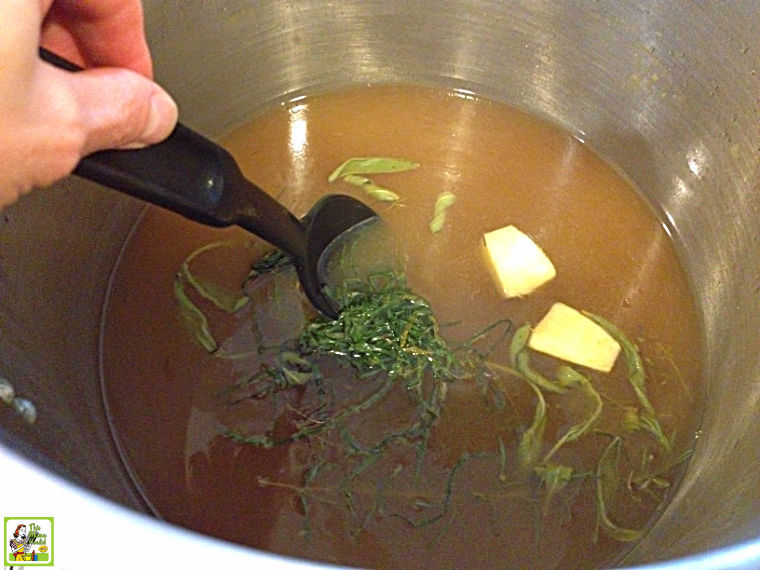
{"x":193,"y":176}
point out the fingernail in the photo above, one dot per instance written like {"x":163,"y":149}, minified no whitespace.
{"x":162,"y":118}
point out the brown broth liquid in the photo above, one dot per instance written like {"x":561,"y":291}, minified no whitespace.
{"x":613,"y":257}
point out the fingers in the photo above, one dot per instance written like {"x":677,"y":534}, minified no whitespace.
{"x":113,"y":108}
{"x":50,"y":118}
{"x":65,"y":116}
{"x":98,"y":33}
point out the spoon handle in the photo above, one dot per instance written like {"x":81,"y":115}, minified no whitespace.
{"x":195,"y":177}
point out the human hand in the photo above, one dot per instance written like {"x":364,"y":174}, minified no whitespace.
{"x":50,"y":118}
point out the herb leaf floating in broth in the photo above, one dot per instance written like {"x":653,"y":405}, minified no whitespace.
{"x":354,"y":171}
{"x":555,"y":477}
{"x":567,"y":376}
{"x":377,"y":192}
{"x":607,"y":482}
{"x":532,"y":439}
{"x":520,"y":360}
{"x":637,"y":378}
{"x":371,"y":165}
{"x":194,"y":318}
{"x":207,"y":289}
{"x":444,"y":201}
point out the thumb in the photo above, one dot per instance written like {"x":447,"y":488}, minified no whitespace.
{"x":117,"y":108}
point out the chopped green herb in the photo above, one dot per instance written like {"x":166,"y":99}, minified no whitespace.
{"x":442,"y":203}
{"x":518,"y":357}
{"x":371,"y":165}
{"x":648,"y":478}
{"x":389,"y":336}
{"x":377,"y":192}
{"x":630,"y":421}
{"x":637,"y":379}
{"x":219,"y":297}
{"x":607,"y":482}
{"x":532,"y":439}
{"x":194,"y":317}
{"x":383,"y":326}
{"x":567,"y":376}
{"x":555,"y":477}
{"x":354,"y":171}
{"x":502,"y":460}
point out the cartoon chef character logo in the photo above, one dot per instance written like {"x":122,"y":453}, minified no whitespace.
{"x":21,"y":544}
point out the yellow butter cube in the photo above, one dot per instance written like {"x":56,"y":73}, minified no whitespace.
{"x":520,"y":265}
{"x":571,"y":336}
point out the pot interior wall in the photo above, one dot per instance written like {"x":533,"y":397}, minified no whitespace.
{"x":667,"y":92}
